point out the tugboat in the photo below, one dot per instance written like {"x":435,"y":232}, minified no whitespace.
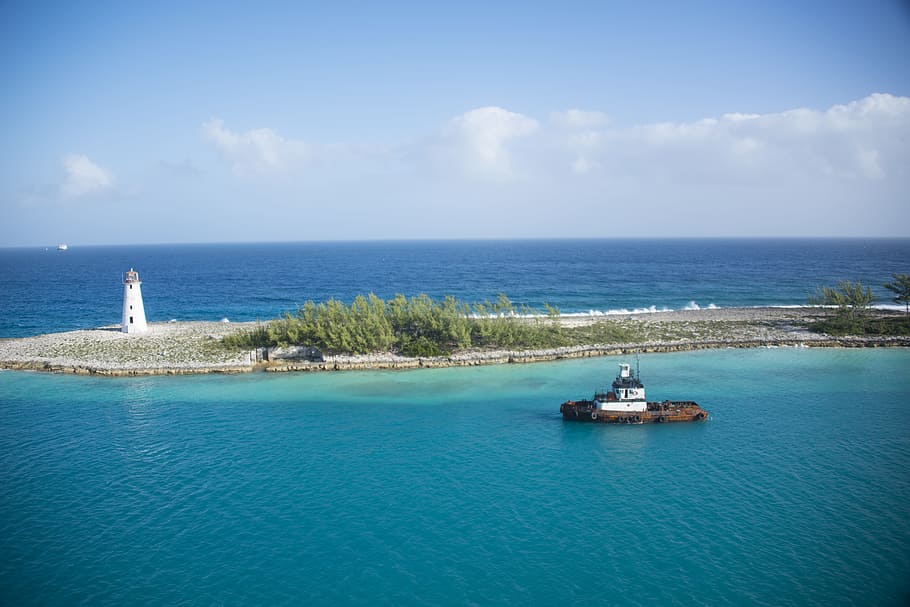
{"x":625,"y":404}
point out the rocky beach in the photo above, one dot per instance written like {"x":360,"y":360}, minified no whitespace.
{"x":178,"y":348}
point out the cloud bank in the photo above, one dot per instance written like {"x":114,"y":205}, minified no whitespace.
{"x":839,"y":171}
{"x":84,"y":177}
{"x":480,"y":141}
{"x":257,"y":151}
{"x":865,"y":139}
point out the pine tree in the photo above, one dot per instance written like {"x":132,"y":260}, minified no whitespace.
{"x":901,"y":289}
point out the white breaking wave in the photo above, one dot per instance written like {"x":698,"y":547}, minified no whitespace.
{"x":888,"y":306}
{"x":877,"y":306}
{"x":649,"y":310}
{"x":612,"y":312}
{"x":694,"y":306}
{"x":618,"y":311}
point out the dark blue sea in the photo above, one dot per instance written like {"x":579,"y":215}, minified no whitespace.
{"x":45,"y":290}
{"x":455,"y":486}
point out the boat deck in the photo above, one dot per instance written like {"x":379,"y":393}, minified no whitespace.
{"x":657,"y":412}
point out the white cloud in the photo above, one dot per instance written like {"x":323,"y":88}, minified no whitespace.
{"x":868,"y":165}
{"x":84,"y":177}
{"x":580,"y":119}
{"x":736,"y":117}
{"x":478,"y":143}
{"x":783,"y":171}
{"x":480,"y":140}
{"x":256,"y":151}
{"x":865,"y":139}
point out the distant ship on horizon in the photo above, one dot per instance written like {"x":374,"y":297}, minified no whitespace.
{"x":62,"y":246}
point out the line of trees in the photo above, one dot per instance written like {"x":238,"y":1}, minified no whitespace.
{"x":416,"y":326}
{"x":422,"y":326}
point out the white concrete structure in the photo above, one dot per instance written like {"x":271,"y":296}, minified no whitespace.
{"x":628,"y":393}
{"x":133,"y":310}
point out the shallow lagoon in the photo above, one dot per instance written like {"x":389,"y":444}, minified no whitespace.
{"x":460,"y":486}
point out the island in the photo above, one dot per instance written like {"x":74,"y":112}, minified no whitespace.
{"x":177,"y":348}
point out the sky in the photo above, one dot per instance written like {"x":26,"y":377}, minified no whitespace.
{"x":161,"y":122}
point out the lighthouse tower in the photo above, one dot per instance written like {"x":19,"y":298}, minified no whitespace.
{"x":133,"y":311}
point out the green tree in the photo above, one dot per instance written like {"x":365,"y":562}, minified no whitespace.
{"x":901,"y":289}
{"x":552,"y":312}
{"x":415,"y":326}
{"x":851,"y":301}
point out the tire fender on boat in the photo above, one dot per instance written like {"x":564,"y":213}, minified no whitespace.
{"x":593,"y":414}
{"x":662,"y":418}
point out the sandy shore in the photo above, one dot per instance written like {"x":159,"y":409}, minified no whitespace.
{"x":195,"y":347}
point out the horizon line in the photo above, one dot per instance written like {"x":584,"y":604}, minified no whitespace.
{"x":454,"y":239}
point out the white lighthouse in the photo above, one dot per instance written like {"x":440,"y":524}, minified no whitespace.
{"x":133,"y":310}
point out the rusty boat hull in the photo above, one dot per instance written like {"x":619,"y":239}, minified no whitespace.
{"x":669,"y":411}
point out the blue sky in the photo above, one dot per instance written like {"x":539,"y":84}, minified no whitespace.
{"x":213,"y":122}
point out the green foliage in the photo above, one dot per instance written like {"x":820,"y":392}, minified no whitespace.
{"x":838,"y":325}
{"x":851,"y":299}
{"x":850,"y":302}
{"x":552,"y":312}
{"x":901,"y":289}
{"x":873,"y":326}
{"x":603,"y":332}
{"x":416,"y":326}
{"x":889,"y":326}
{"x":253,"y":338}
{"x":422,"y":327}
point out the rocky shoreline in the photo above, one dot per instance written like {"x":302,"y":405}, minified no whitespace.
{"x":182,"y":348}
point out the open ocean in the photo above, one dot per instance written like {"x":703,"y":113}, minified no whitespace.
{"x":42,"y":291}
{"x":455,"y":486}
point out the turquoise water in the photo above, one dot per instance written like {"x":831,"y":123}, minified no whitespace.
{"x":462,"y":486}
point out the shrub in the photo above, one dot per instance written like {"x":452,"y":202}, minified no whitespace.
{"x":416,"y":326}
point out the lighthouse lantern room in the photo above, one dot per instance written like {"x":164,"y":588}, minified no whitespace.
{"x":133,"y":311}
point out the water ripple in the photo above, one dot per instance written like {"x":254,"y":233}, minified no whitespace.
{"x":296,"y":489}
